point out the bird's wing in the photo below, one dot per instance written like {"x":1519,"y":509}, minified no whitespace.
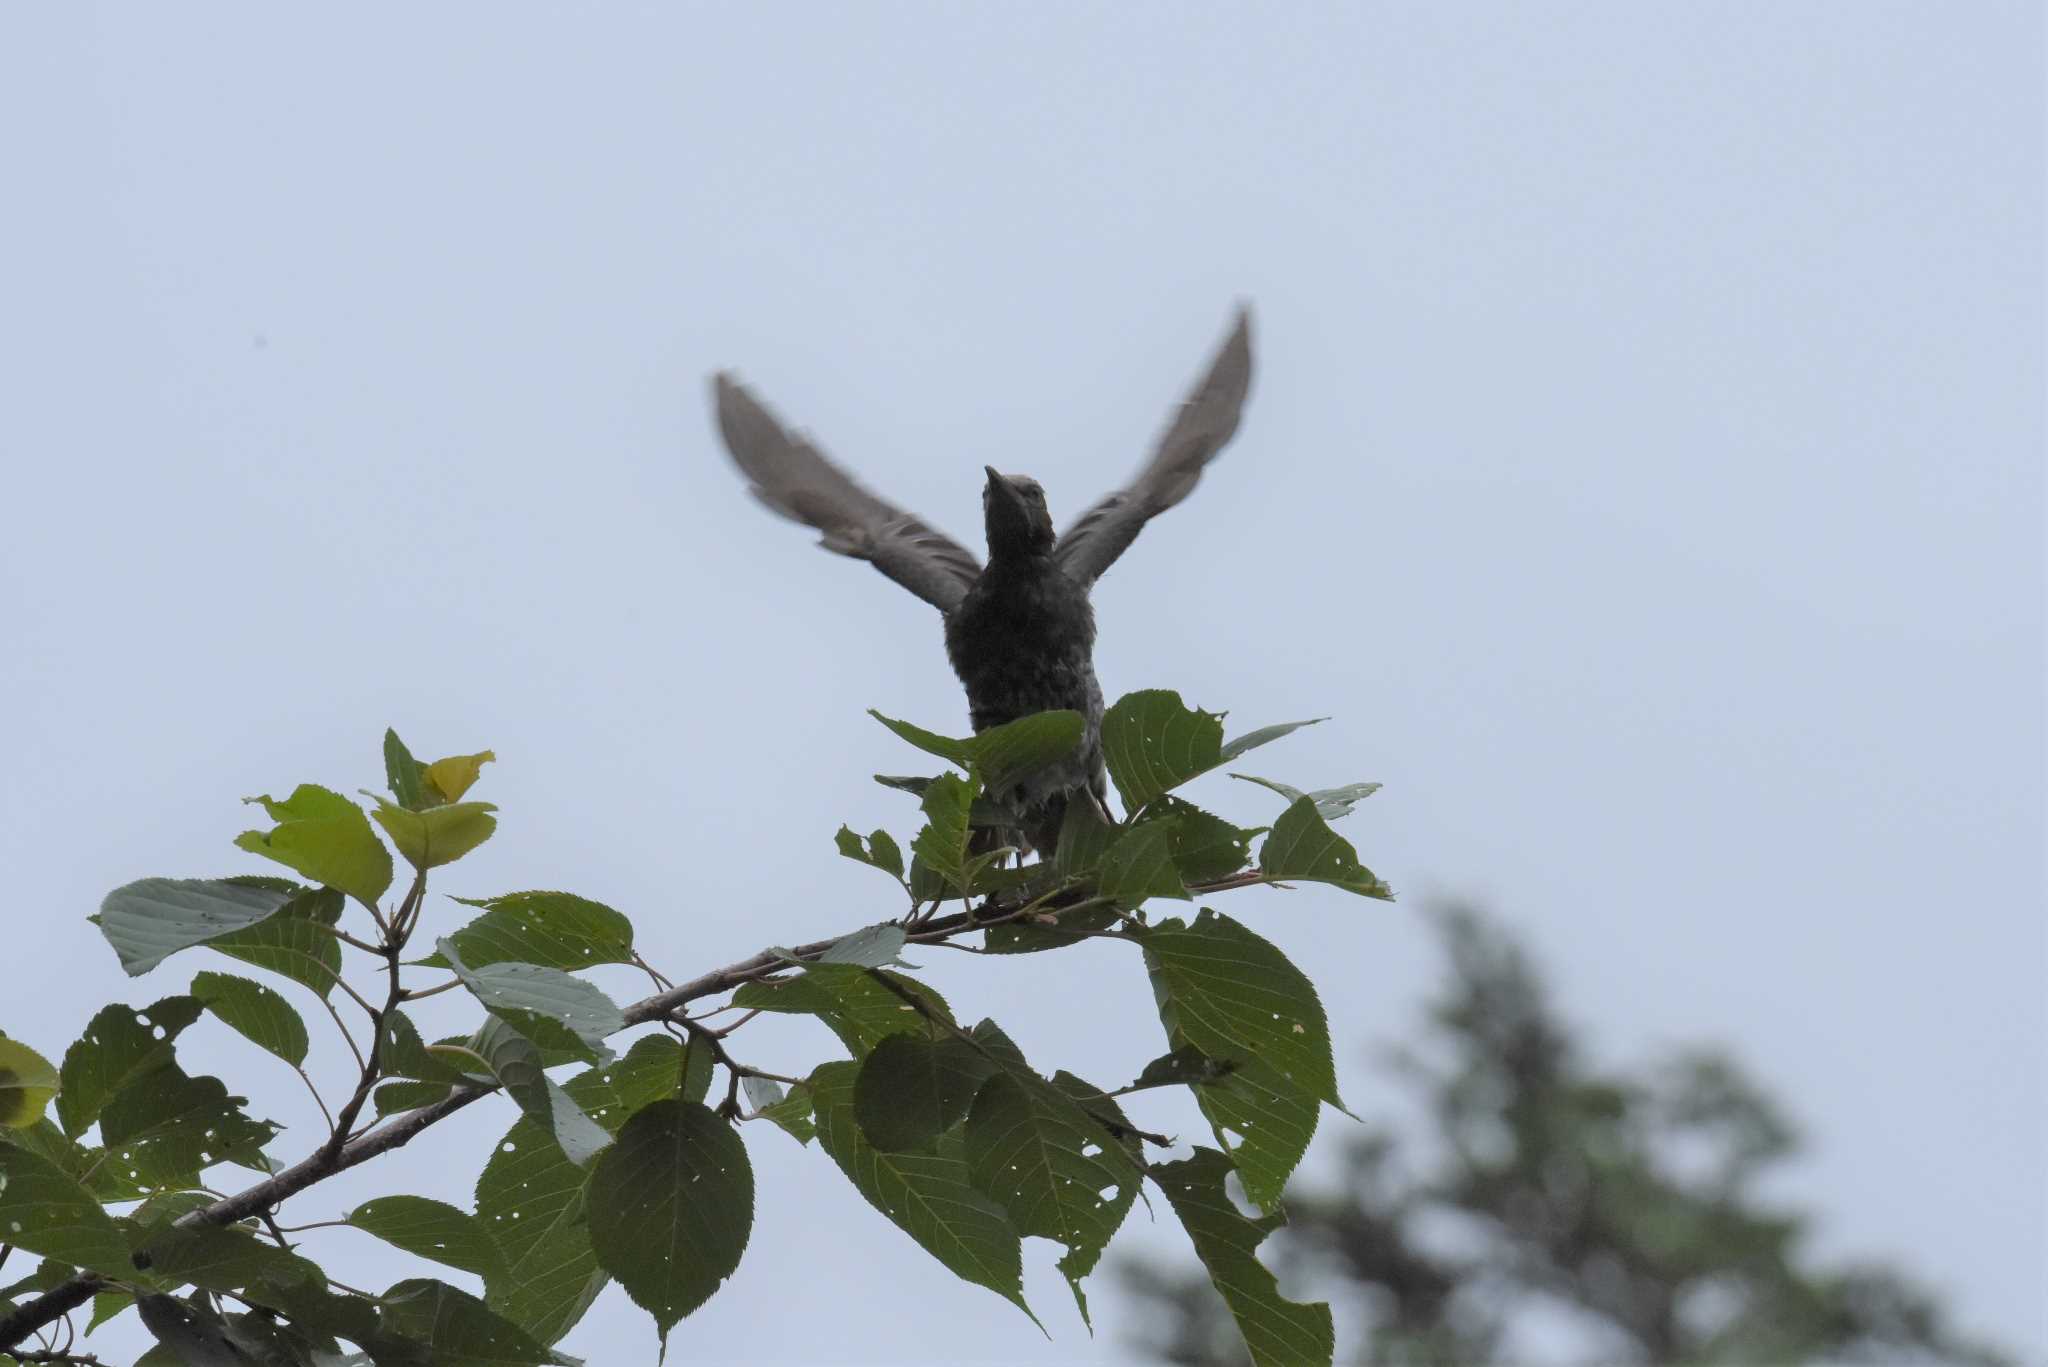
{"x":1199,"y":429}
{"x":795,"y":479}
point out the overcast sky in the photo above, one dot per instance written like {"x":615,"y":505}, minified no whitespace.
{"x":1643,"y":467}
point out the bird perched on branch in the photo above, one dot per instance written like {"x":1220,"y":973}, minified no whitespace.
{"x":1020,"y":631}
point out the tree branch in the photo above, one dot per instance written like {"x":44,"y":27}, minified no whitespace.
{"x":399,"y":1130}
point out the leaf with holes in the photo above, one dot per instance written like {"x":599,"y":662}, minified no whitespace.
{"x":1153,"y":743}
{"x":1205,"y":846}
{"x":151,"y":919}
{"x":166,"y":1127}
{"x":433,"y":1230}
{"x":255,"y":1012}
{"x":517,"y":1064}
{"x":928,"y":1196}
{"x":43,"y":1210}
{"x":1302,"y":847}
{"x":551,"y":929}
{"x":1140,"y":865}
{"x":219,"y":1259}
{"x":671,"y":1206}
{"x":1277,"y":1332}
{"x":941,"y":847}
{"x":324,"y":836}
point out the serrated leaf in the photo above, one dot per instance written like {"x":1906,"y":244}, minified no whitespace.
{"x":655,"y":1069}
{"x":433,"y":1230}
{"x":105,"y":1306}
{"x":119,"y":1045}
{"x":1236,"y":997}
{"x":517,"y":1063}
{"x":46,"y":1211}
{"x":395,"y":1098}
{"x":548,"y":1006}
{"x":1252,"y":740}
{"x":27,"y":1082}
{"x":1139,"y":865}
{"x":324,"y":836}
{"x":911,"y":1090}
{"x":671,"y":1206}
{"x":456,"y":1328}
{"x":1205,"y":846}
{"x":1007,"y":754}
{"x":1153,"y":743}
{"x":1054,"y":930}
{"x":1263,"y":1123}
{"x":255,"y":1012}
{"x":859,"y":1009}
{"x":941,"y":846}
{"x":438,"y":835}
{"x":1331,"y":803}
{"x":931,"y":742}
{"x":450,"y":778}
{"x":1084,"y":838}
{"x":871,"y":947}
{"x":930,"y":1196}
{"x":151,"y":919}
{"x":552,"y":929}
{"x":1185,"y":1066}
{"x":297,"y":942}
{"x":1277,"y":1332}
{"x":1054,"y":1173}
{"x":878,"y":851}
{"x":219,"y":1258}
{"x":189,"y":1334}
{"x":530,"y":1201}
{"x":167,"y":1127}
{"x":402,"y":1053}
{"x":1302,"y":847}
{"x":792,"y":1113}
{"x":404,"y":773}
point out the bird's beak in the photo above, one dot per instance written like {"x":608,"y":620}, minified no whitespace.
{"x":994,"y":476}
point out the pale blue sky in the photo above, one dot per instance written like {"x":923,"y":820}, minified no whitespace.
{"x":1644,"y":467}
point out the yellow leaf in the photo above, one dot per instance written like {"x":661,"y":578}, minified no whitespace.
{"x":27,"y":1082}
{"x":452,"y":776}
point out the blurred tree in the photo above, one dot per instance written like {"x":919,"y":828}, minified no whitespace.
{"x":1565,"y":1212}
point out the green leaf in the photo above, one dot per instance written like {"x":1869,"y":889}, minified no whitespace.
{"x":219,"y":1258}
{"x":871,"y":947}
{"x":1185,"y":1066}
{"x":911,"y":1090}
{"x":931,"y":742}
{"x":858,"y":1008}
{"x":439,"y":835}
{"x":552,"y":929}
{"x":1236,"y":997}
{"x":395,"y":1098}
{"x":1049,"y":930}
{"x":517,"y":1064}
{"x":1084,"y":838}
{"x":1276,"y":1331}
{"x":27,"y":1082}
{"x":324,"y":836}
{"x":44,"y":1210}
{"x":402,"y":1053}
{"x":1252,"y":740}
{"x":1140,"y":866}
{"x":105,"y":1306}
{"x":1205,"y":846}
{"x":403,"y":773}
{"x":1302,"y":847}
{"x":1055,"y":1173}
{"x":166,"y":1127}
{"x":878,"y":851}
{"x":119,"y":1045}
{"x":1004,"y":755}
{"x":530,"y":1200}
{"x":553,"y":1008}
{"x":1331,"y":803}
{"x":255,"y":1012}
{"x":1263,"y":1123}
{"x":1153,"y":743}
{"x":671,"y":1206}
{"x":655,"y":1069}
{"x":930,"y":1196}
{"x":942,"y":845}
{"x":297,"y":942}
{"x":151,"y":919}
{"x":457,"y":1329}
{"x":448,"y":779}
{"x":792,"y":1113}
{"x":188,"y":1333}
{"x":433,"y":1230}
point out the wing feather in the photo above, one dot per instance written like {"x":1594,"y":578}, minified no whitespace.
{"x":795,"y":479}
{"x":1200,"y":427}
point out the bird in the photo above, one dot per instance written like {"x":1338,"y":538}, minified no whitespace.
{"x":1020,"y":629}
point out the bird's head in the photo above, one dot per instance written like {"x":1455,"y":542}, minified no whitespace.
{"x":1018,"y":523}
